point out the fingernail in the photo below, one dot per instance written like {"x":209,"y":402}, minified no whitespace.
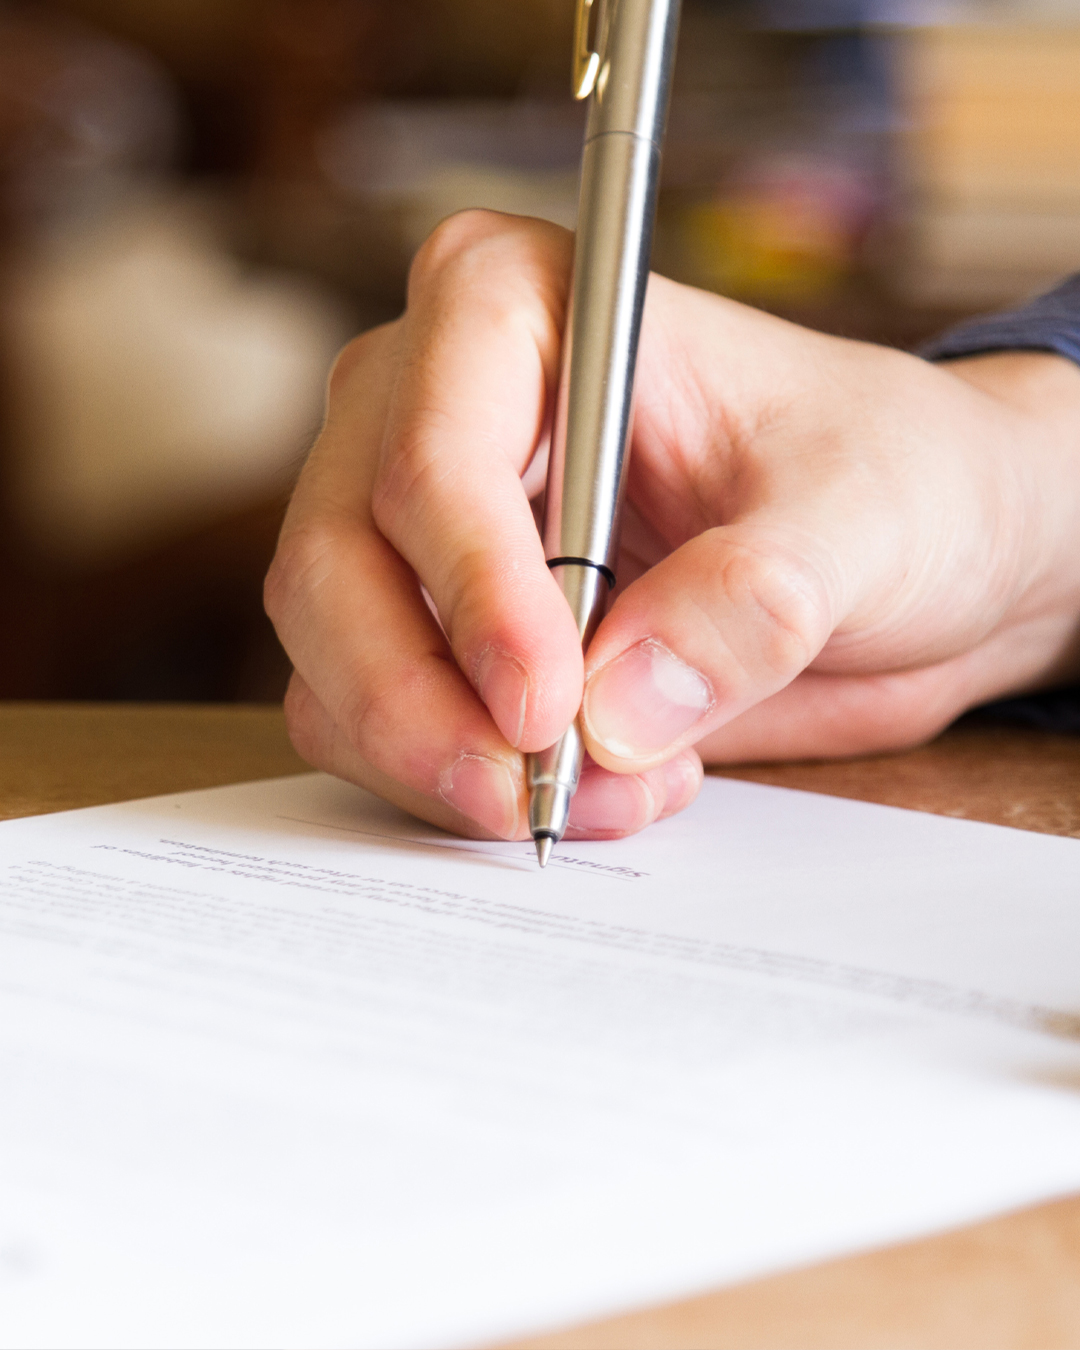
{"x":504,"y":687}
{"x":611,"y":804}
{"x":484,"y":790}
{"x":643,"y":700}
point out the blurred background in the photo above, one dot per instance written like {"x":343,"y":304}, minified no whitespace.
{"x":200,"y":200}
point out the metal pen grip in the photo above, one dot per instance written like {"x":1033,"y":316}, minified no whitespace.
{"x":593,"y":416}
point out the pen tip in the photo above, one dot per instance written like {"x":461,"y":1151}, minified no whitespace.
{"x":544,"y":845}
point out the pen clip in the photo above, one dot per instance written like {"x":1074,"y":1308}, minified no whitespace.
{"x":586,"y":61}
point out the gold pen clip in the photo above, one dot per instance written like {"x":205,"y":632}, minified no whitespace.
{"x":586,"y":61}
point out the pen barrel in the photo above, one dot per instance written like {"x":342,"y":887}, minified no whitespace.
{"x":616,"y":213}
{"x":592,"y":425}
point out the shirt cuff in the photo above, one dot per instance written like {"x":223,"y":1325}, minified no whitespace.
{"x":1049,"y":323}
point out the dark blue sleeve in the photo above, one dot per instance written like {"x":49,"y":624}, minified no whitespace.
{"x":1049,"y":323}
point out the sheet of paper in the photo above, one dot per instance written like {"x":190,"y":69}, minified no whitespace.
{"x":280,"y":1065}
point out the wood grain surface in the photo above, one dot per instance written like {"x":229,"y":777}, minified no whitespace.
{"x":58,"y":756}
{"x":1005,"y":775}
{"x":1009,"y":1284}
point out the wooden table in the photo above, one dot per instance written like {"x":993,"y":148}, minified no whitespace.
{"x":1011,"y":1282}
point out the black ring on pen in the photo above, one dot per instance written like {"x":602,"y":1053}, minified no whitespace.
{"x":608,"y":574}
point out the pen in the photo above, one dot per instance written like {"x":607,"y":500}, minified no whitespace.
{"x":625,"y":71}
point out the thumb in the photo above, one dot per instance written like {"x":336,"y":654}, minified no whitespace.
{"x":727,"y":620}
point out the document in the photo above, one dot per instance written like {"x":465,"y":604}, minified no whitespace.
{"x":280,"y":1065}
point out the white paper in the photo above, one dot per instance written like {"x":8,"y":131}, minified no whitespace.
{"x":280,"y":1065}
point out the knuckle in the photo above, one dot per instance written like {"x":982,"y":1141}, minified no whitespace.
{"x":414,"y":472}
{"x":302,"y":722}
{"x":381,"y":711}
{"x":398,"y":485}
{"x":352,"y":358}
{"x":304,"y":558}
{"x":452,"y":240}
{"x":367,"y":717}
{"x":789,"y":599}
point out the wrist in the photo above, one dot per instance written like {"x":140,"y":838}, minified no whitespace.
{"x":1036,"y":404}
{"x":1041,"y":384}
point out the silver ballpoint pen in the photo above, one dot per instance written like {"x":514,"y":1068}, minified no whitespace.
{"x":626,"y":73}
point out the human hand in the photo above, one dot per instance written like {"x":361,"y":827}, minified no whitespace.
{"x":829,"y":548}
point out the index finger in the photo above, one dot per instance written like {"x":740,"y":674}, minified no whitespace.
{"x":479,"y":366}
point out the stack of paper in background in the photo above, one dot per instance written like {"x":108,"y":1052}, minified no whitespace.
{"x":992,"y":155}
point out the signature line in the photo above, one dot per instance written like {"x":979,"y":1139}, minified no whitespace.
{"x":575,"y":866}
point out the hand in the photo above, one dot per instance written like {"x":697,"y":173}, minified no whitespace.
{"x":830,"y":548}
